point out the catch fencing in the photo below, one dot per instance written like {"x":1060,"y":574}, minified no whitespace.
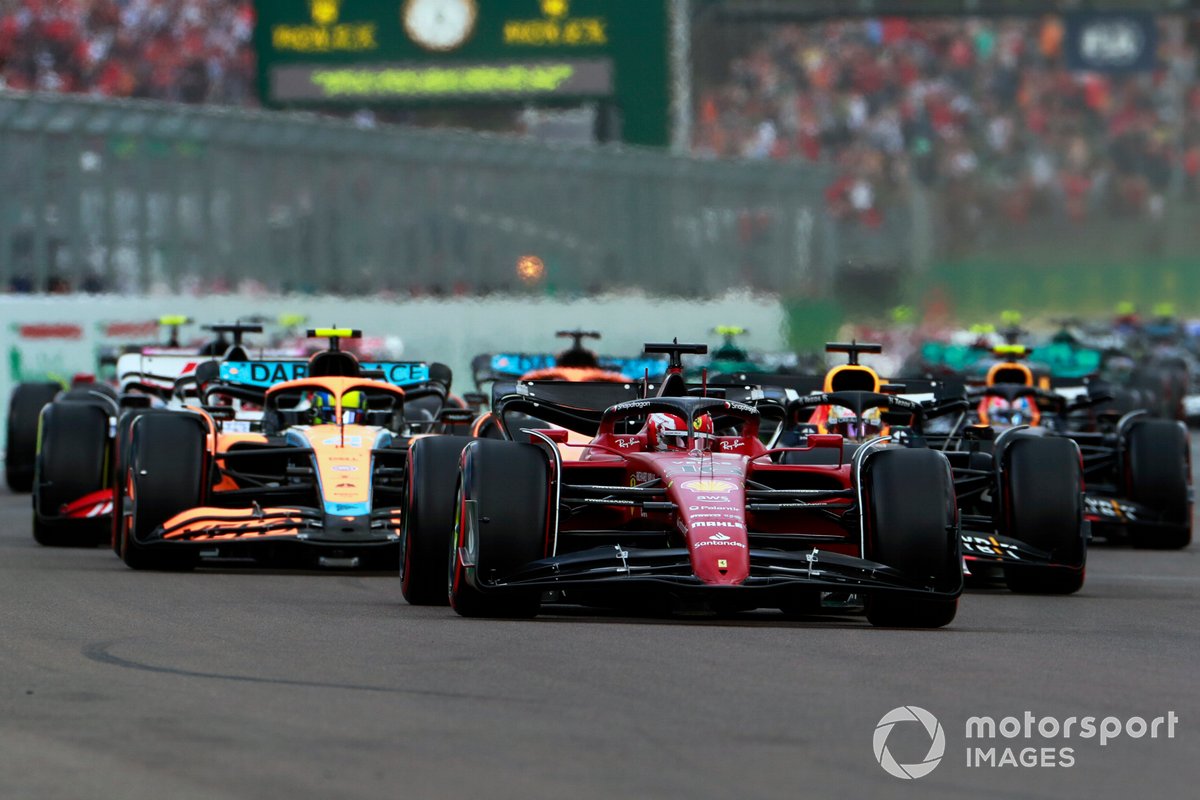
{"x":135,"y":197}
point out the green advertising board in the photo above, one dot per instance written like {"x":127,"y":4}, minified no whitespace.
{"x":370,"y":53}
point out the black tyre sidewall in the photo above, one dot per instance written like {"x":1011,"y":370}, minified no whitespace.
{"x":24,"y":408}
{"x":911,"y":511}
{"x":72,"y":456}
{"x":509,"y":483}
{"x":1156,"y":474}
{"x":433,"y":464}
{"x":1042,"y":497}
{"x":168,"y":468}
{"x":910,"y":526}
{"x":119,"y":474}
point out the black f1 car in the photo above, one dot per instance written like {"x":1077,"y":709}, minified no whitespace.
{"x":1137,"y":467}
{"x":1019,"y":493}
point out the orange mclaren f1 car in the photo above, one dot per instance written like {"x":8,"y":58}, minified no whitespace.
{"x":319,"y":482}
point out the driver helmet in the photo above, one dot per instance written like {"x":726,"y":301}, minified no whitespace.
{"x":669,"y":431}
{"x":324,"y":408}
{"x":665,"y":432}
{"x":354,"y":408}
{"x":1120,"y":369}
{"x":1003,"y":414}
{"x":842,"y":421}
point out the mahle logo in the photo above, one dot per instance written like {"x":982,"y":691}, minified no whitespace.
{"x":929,"y":727}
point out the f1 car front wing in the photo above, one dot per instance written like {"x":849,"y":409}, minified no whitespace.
{"x":621,"y":568}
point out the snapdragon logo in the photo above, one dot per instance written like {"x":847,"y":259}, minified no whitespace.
{"x":927,"y":726}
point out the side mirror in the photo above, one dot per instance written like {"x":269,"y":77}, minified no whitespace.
{"x":979,"y":433}
{"x":222,"y":413}
{"x":823,"y":440}
{"x":556,"y":435}
{"x":456,"y":416}
{"x":893,"y":418}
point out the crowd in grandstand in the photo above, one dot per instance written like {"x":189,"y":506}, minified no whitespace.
{"x":984,"y":108}
{"x":191,"y":51}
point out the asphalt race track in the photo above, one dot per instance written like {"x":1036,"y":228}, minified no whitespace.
{"x":240,"y":684}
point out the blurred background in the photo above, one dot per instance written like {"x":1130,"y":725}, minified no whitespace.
{"x":463,"y":171}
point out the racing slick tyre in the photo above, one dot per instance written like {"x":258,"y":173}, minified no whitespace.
{"x":428,"y":523}
{"x":1041,"y":487}
{"x":1175,"y":373}
{"x":24,"y":406}
{"x":90,"y":392}
{"x":912,"y":526}
{"x":71,"y":462}
{"x":120,"y":457}
{"x":500,"y":525}
{"x":1156,"y":475}
{"x":166,"y":473}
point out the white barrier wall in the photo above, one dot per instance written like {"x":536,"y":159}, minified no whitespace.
{"x":61,"y":335}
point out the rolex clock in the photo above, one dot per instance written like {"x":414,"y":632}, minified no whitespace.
{"x":439,"y":25}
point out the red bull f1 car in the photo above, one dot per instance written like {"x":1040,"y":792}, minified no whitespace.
{"x":1019,"y":491}
{"x":1137,"y":467}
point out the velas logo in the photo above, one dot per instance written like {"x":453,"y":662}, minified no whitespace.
{"x":927,"y":726}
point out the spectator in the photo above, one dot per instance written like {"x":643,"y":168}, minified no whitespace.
{"x":983,"y":108}
{"x":190,"y":51}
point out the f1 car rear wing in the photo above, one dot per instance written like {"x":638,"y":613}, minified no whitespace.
{"x":593,"y":397}
{"x":264,"y":374}
{"x":491,"y":367}
{"x":155,"y":374}
{"x":801,"y":384}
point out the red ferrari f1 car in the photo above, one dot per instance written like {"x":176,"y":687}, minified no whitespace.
{"x":673,"y":497}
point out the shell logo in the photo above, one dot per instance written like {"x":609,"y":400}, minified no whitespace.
{"x":708,"y":486}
